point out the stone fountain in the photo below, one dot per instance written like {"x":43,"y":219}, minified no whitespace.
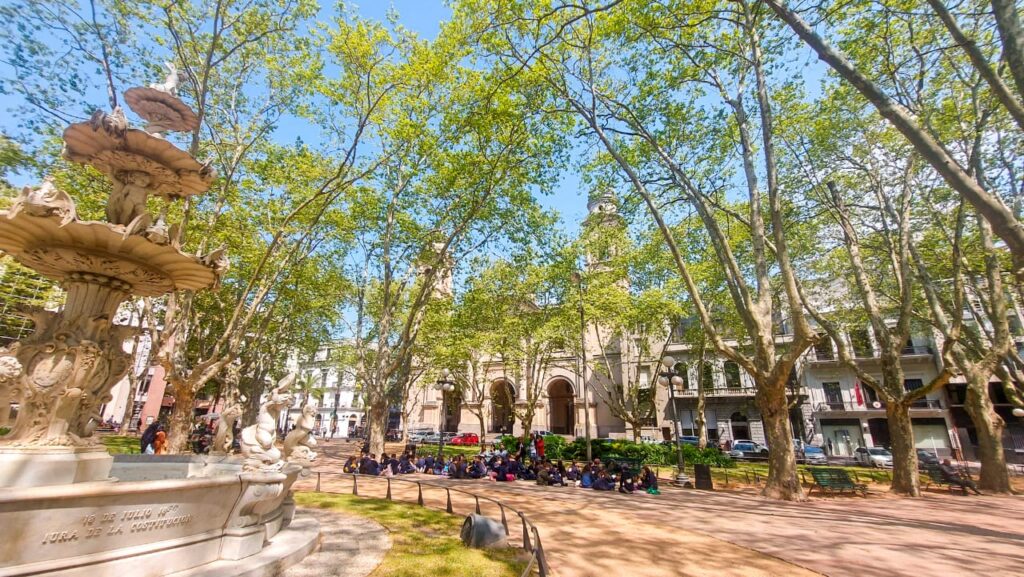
{"x":76,"y":510}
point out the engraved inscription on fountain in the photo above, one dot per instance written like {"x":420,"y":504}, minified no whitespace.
{"x":114,"y":523}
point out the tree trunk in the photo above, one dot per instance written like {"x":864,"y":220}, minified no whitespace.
{"x":376,"y":421}
{"x":989,"y":426}
{"x":904,"y":455}
{"x":1012,"y":38}
{"x":181,"y":416}
{"x":783,"y":482}
{"x":483,"y":429}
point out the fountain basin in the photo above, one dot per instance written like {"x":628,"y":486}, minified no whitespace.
{"x":177,"y":516}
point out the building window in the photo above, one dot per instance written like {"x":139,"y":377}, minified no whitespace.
{"x":144,"y":386}
{"x":823,"y":349}
{"x":684,"y":372}
{"x":645,"y":406}
{"x":910,"y":385}
{"x":861,"y":342}
{"x":833,"y":396}
{"x":732,"y":375}
{"x":707,"y":379}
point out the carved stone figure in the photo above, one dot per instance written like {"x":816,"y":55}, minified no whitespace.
{"x":170,"y":84}
{"x":258,"y":439}
{"x":127,"y":202}
{"x":217,"y":260}
{"x":10,"y":370}
{"x":224,"y":437}
{"x":114,"y":124}
{"x":299,"y":444}
{"x":47,"y":200}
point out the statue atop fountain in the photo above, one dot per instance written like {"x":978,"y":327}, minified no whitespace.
{"x":62,"y":374}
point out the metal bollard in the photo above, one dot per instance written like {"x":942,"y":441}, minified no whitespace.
{"x":527,"y":546}
{"x":388,"y":497}
{"x":419,"y":498}
{"x":448,"y":507}
{"x":318,"y":481}
{"x":504,"y":521}
{"x":355,"y":485}
{"x":477,"y":504}
{"x":542,"y":562}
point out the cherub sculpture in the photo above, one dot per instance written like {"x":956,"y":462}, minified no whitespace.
{"x":127,"y":203}
{"x":299,"y":444}
{"x":170,"y":84}
{"x":258,"y":440}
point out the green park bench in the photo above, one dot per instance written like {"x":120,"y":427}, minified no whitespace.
{"x":831,"y":480}
{"x":937,"y":477}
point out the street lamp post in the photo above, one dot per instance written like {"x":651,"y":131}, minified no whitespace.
{"x":671,"y":378}
{"x":578,"y":279}
{"x":445,"y":385}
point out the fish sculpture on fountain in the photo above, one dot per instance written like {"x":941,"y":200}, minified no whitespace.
{"x":74,"y":356}
{"x":299,"y":444}
{"x":258,"y":440}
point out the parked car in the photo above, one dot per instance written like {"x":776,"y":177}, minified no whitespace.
{"x":543,"y":433}
{"x":926,"y":459}
{"x":748,"y":450}
{"x":877,"y":457}
{"x":431,"y":438}
{"x":466,"y":439}
{"x":812,"y":456}
{"x":417,"y":435}
{"x":690,"y":440}
{"x":648,"y":440}
{"x":448,"y":436}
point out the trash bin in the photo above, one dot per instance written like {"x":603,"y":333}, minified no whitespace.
{"x":483,"y":532}
{"x":702,"y":477}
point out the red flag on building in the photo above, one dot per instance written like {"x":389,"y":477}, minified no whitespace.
{"x":860,"y":396}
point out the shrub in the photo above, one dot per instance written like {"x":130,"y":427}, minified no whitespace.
{"x":555,"y":447}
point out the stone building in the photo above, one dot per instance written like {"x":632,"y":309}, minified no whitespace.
{"x":339,"y":409}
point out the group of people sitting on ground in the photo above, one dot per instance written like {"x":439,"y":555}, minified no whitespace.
{"x":499,"y":465}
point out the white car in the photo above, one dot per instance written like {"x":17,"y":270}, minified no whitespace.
{"x":418,"y":436}
{"x":648,"y":440}
{"x":874,"y":457}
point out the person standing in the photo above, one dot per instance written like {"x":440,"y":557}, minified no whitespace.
{"x":160,"y":442}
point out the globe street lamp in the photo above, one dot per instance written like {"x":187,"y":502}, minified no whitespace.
{"x":670,"y":378}
{"x":445,"y":385}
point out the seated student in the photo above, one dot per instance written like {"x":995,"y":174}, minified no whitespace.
{"x":573,"y":473}
{"x":626,"y":481}
{"x":586,"y":477}
{"x":501,"y":472}
{"x":476,"y":469}
{"x":544,"y":476}
{"x":604,"y":482}
{"x":428,"y":464}
{"x":405,"y":465}
{"x":350,"y":466}
{"x":421,"y":464}
{"x":649,"y":481}
{"x":364,"y":464}
{"x":556,"y":477}
{"x":561,"y":468}
{"x":513,"y":467}
{"x":528,"y":472}
{"x":458,"y":469}
{"x":373,"y":468}
{"x":440,"y":466}
{"x":393,"y":464}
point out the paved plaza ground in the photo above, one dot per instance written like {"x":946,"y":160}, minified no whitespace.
{"x":686,"y":532}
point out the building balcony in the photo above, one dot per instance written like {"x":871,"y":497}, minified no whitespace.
{"x":827,"y":356}
{"x":719,"y":392}
{"x":851,"y":407}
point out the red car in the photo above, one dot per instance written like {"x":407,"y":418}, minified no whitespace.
{"x":465,"y":439}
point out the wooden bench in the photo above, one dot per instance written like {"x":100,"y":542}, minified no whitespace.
{"x":833,"y":480}
{"x":937,"y":477}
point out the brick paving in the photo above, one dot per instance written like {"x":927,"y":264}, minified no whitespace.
{"x":685,"y":532}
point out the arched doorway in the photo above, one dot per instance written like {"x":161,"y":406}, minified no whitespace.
{"x":502,"y":401}
{"x":740,"y":426}
{"x":352,"y":426}
{"x":561,"y":408}
{"x":451,"y":411}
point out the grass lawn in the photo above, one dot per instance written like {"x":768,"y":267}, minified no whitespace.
{"x":424,"y":541}
{"x":120,"y":444}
